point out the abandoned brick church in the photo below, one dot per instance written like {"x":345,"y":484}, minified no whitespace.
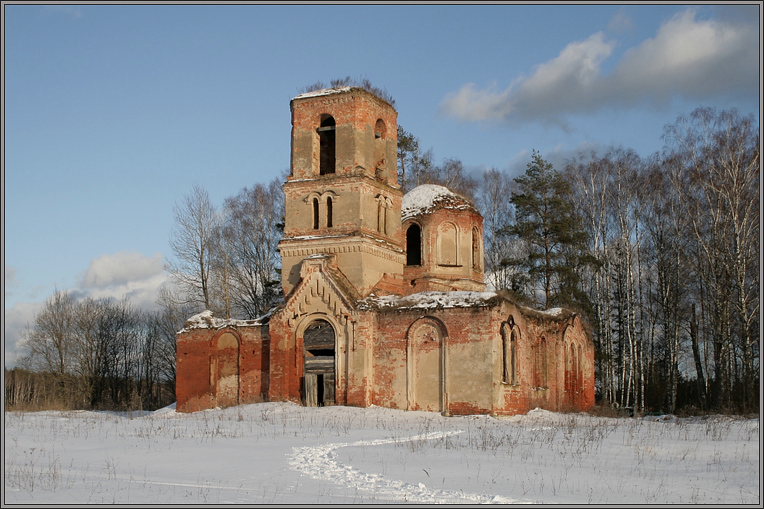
{"x":385,"y":300}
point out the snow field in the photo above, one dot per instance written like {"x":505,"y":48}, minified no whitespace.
{"x":281,"y":453}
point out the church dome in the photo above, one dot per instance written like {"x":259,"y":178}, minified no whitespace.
{"x":427,"y":198}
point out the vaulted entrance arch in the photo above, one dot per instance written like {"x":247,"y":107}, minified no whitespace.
{"x":319,"y":374}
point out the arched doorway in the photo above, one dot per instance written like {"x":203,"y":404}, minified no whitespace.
{"x":319,"y":374}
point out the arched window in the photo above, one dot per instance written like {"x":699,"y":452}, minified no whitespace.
{"x":566,"y":368}
{"x":447,"y":245}
{"x":329,"y":212}
{"x":380,"y":130}
{"x":475,"y":249}
{"x":505,"y":355}
{"x":414,"y":245}
{"x":579,"y":370}
{"x":541,"y":364}
{"x":573,"y":370}
{"x":513,"y":356}
{"x":315,"y":213}
{"x":382,"y":206}
{"x":380,"y":147}
{"x":327,"y":143}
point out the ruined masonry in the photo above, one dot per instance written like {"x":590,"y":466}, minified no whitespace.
{"x":385,"y":300}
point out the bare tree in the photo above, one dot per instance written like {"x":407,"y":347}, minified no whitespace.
{"x":49,"y":343}
{"x":250,"y":235}
{"x":193,"y":242}
{"x":493,"y":200}
{"x":451,"y":174}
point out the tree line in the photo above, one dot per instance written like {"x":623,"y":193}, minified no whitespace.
{"x":659,"y":254}
{"x":95,"y":354}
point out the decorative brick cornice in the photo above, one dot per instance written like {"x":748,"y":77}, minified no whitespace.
{"x":355,"y":244}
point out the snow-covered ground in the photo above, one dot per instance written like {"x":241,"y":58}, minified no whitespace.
{"x":281,"y":453}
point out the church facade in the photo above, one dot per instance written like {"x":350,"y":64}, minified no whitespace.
{"x":385,"y":300}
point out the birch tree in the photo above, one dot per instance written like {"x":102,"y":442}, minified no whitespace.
{"x":718,"y":179}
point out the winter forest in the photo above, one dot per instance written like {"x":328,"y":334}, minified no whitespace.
{"x":659,"y":253}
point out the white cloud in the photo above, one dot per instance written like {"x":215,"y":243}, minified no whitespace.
{"x":472,"y":104}
{"x":688,"y":58}
{"x":693,"y":58}
{"x":142,"y":293}
{"x":121,"y":268}
{"x":126,"y":274}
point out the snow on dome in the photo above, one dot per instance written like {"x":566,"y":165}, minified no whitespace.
{"x":423,"y":199}
{"x":323,"y":91}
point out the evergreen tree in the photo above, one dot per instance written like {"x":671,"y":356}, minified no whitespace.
{"x":408,"y":150}
{"x":547,"y":222}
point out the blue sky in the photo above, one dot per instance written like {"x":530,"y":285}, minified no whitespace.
{"x":113,"y":113}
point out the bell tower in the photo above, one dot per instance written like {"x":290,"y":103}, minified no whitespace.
{"x":342,"y":195}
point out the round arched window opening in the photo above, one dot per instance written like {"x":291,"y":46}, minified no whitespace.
{"x":414,"y":245}
{"x":315,"y":213}
{"x":380,"y":130}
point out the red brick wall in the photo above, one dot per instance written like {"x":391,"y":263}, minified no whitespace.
{"x":271,"y":368}
{"x":464,"y":220}
{"x":196,"y":352}
{"x":192,"y":382}
{"x":466,"y":378}
{"x":284,"y":376}
{"x":356,"y":108}
{"x":560,"y":392}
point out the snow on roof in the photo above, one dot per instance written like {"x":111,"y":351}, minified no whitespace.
{"x":428,"y":300}
{"x":313,"y":237}
{"x":423,"y":199}
{"x":317,"y":256}
{"x":323,"y":91}
{"x":205,"y":320}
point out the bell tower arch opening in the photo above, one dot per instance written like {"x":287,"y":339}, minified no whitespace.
{"x":319,"y":373}
{"x":327,"y":145}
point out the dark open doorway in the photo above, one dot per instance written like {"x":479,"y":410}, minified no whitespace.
{"x":319,"y":382}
